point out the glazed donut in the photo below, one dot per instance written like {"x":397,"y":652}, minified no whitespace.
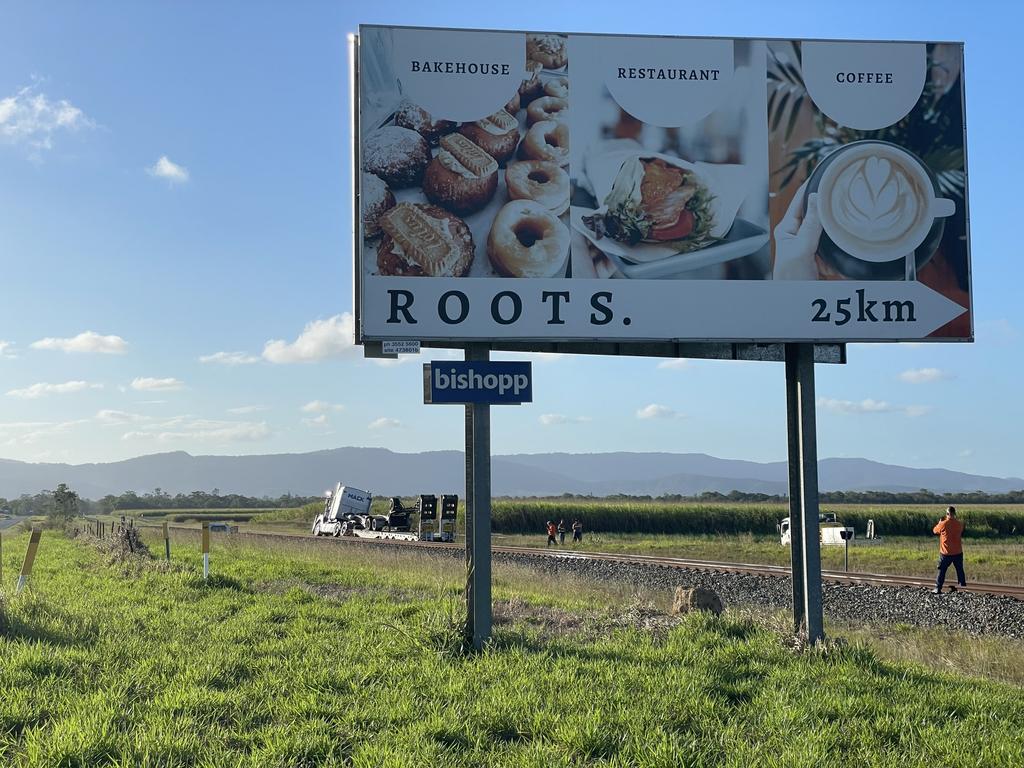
{"x":418,"y":119}
{"x":397,"y":155}
{"x":545,"y":108}
{"x":549,"y":50}
{"x":423,"y":240}
{"x":462,"y":177}
{"x":546,"y":140}
{"x":374,"y":199}
{"x":496,"y":135}
{"x":532,"y":87}
{"x":540,"y":181}
{"x":527,"y":241}
{"x":559,"y":88}
{"x":513,"y":105}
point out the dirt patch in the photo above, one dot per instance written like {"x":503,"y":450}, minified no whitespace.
{"x":549,"y":622}
{"x":338,"y":592}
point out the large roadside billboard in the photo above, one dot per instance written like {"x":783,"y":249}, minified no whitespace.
{"x":522,"y":186}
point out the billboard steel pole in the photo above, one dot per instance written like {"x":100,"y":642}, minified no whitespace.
{"x":800,"y":378}
{"x":478,"y":513}
{"x":796,"y":527}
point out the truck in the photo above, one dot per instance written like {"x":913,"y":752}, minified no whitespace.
{"x":347,"y":512}
{"x":829,"y":530}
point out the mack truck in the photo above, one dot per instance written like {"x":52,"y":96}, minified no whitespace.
{"x":347,"y":512}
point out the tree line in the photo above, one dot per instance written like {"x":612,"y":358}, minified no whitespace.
{"x":922,"y":496}
{"x":47,"y":502}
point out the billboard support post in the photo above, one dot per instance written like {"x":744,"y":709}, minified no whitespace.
{"x":803,"y":490}
{"x":478,"y":517}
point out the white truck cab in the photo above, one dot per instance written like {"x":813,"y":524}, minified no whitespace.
{"x":828,"y":530}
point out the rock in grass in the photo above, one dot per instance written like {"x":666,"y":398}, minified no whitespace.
{"x":696,"y":599}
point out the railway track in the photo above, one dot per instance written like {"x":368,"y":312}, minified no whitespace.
{"x":681,"y":563}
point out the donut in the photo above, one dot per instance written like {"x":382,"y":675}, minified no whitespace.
{"x":513,"y":105}
{"x":397,"y":155}
{"x":462,"y":177}
{"x":546,"y":140}
{"x":559,"y":88}
{"x":532,"y":87}
{"x":418,"y":119}
{"x":422,"y":240}
{"x":527,"y":241}
{"x":545,"y":108}
{"x":541,"y":181}
{"x":496,"y":135}
{"x":549,"y":50}
{"x":374,"y":199}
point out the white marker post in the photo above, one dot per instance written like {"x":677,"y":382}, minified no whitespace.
{"x":206,"y":551}
{"x":30,"y":557}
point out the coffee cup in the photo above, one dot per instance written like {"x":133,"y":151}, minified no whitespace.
{"x":878,"y":204}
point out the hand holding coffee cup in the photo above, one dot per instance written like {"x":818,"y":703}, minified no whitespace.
{"x":877,"y":204}
{"x":796,"y":239}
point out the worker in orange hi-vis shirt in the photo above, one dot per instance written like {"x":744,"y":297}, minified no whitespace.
{"x":951,"y":551}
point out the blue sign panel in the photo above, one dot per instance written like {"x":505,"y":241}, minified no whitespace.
{"x":478,"y":382}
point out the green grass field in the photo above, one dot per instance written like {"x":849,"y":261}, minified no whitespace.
{"x":299,"y":654}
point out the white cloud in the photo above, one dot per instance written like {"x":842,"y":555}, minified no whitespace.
{"x":869,"y":406}
{"x":924,"y":375}
{"x":550,"y":419}
{"x":165,"y":169}
{"x":319,"y":406}
{"x":385,"y":423}
{"x":149,"y":384}
{"x":675,"y":364}
{"x":110,"y":416}
{"x":316,"y":420}
{"x":31,"y":118}
{"x":46,"y":432}
{"x":319,"y":340}
{"x":87,"y":341}
{"x":966,"y":453}
{"x":230,"y":358}
{"x":201,"y":430}
{"x":244,"y":409}
{"x":655,"y":411}
{"x":42,"y":388}
{"x":7,"y":350}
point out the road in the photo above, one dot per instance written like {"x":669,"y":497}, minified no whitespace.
{"x":7,"y":522}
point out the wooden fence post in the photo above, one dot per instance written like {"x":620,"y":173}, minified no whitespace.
{"x":167,"y":543}
{"x":30,"y":557}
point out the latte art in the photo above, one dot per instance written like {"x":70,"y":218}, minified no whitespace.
{"x":876,"y":201}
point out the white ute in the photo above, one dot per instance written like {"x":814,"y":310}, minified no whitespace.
{"x":828,"y":526}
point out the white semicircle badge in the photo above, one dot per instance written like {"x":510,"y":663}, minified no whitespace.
{"x":668,"y":82}
{"x":866,"y":86}
{"x":459,"y":75}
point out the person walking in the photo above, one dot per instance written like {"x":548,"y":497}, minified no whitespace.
{"x":551,"y":533}
{"x":951,"y":551}
{"x":577,"y":531}
{"x":561,"y":532}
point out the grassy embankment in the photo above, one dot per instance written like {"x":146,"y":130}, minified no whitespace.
{"x":305,"y":655}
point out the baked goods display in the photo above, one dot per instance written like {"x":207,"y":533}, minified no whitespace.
{"x":408,"y":115}
{"x":448,"y":199}
{"x":546,"y":140}
{"x":545,"y":108}
{"x":461,"y":177}
{"x":527,"y":241}
{"x":374,"y":200}
{"x":497,"y":135}
{"x":541,"y":181}
{"x":397,"y":155}
{"x":423,"y":240}
{"x":549,"y":50}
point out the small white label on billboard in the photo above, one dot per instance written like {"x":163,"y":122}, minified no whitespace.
{"x":866,"y":86}
{"x":459,"y":75}
{"x":400,"y":347}
{"x":662,"y":81}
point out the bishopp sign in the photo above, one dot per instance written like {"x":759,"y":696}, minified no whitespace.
{"x":498,"y":383}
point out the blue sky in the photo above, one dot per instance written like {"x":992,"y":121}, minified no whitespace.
{"x":120,"y":272}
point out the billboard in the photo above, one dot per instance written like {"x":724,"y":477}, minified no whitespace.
{"x":522,"y":186}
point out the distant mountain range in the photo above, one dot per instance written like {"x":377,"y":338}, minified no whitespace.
{"x":382,"y":471}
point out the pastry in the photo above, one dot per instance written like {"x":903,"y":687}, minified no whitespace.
{"x":527,"y":241}
{"x":559,"y":88}
{"x":541,"y":181}
{"x":397,"y":155}
{"x":532,"y":87}
{"x":462,"y":177}
{"x":545,"y":108}
{"x":549,"y":50}
{"x":496,"y":135}
{"x":374,"y":199}
{"x":513,"y":105}
{"x":418,"y":119}
{"x":546,"y":140}
{"x":423,"y":240}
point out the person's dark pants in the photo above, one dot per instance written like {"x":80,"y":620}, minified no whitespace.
{"x":551,"y":539}
{"x":957,"y":561}
{"x":577,"y":536}
{"x":561,"y":537}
